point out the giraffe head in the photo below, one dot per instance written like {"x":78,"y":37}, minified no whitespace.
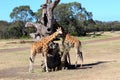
{"x":59,"y":30}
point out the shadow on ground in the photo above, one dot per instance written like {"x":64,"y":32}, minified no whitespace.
{"x":22,"y":72}
{"x":90,"y":65}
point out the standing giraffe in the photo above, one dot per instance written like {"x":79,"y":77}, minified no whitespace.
{"x":68,"y":42}
{"x":42,"y":47}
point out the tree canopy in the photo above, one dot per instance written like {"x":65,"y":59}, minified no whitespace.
{"x":22,"y":13}
{"x":73,"y":17}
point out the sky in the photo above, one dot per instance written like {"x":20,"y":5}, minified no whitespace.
{"x":103,"y":10}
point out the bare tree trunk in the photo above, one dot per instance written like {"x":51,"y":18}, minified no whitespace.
{"x":54,"y":59}
{"x":49,"y":12}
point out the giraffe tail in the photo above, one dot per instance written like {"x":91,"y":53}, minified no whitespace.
{"x":80,"y":52}
{"x":31,"y":59}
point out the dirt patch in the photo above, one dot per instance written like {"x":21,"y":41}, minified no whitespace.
{"x":20,"y":42}
{"x":13,"y":49}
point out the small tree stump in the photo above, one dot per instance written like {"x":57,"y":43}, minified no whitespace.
{"x":54,"y":59}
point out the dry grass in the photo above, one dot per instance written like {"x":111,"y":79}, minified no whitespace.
{"x":101,"y":62}
{"x":13,"y":43}
{"x":102,"y":36}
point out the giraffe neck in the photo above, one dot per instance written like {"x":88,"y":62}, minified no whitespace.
{"x":51,"y":37}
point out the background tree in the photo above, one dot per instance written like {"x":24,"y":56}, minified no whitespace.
{"x":22,"y":13}
{"x":3,"y":26}
{"x":71,"y":16}
{"x":14,"y":30}
{"x":74,"y":18}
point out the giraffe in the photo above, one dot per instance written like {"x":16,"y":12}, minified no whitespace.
{"x":69,"y":42}
{"x":42,"y":47}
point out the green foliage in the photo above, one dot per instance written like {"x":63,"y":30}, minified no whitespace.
{"x":108,"y":26}
{"x":14,"y":30}
{"x":71,"y":16}
{"x":3,"y":25}
{"x":38,"y":13}
{"x":74,"y":18}
{"x":22,"y":13}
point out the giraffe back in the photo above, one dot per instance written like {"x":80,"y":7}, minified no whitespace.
{"x":44,"y":42}
{"x":72,"y":40}
{"x":37,"y":47}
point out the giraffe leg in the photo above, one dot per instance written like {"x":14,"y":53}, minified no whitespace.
{"x":81,"y":58}
{"x":76,"y":57}
{"x":76,"y":60}
{"x":32,"y":58}
{"x":46,"y":66}
{"x":45,"y":48}
{"x":69,"y":58}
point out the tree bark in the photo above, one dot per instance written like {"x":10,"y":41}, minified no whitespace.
{"x":54,"y":59}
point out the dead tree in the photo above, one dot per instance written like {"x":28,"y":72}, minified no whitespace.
{"x":42,"y":31}
{"x":45,"y":28}
{"x":48,"y":21}
{"x":47,"y":13}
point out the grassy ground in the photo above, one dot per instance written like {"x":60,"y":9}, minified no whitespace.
{"x":101,"y":62}
{"x":13,"y":43}
{"x":102,"y":36}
